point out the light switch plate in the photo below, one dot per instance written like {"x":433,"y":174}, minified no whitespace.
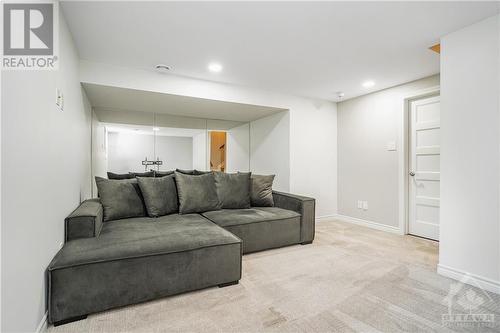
{"x":391,"y":146}
{"x":59,"y":99}
{"x":360,"y":204}
{"x":365,"y":205}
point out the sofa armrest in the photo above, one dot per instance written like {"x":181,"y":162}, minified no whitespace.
{"x":85,"y":221}
{"x":305,"y":206}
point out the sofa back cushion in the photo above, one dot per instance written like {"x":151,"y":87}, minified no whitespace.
{"x":160,"y":195}
{"x":197,"y":194}
{"x":120,"y":198}
{"x":233,"y":189}
{"x":143,"y":174}
{"x":112,"y":175}
{"x":261,"y":193}
{"x":163,"y":173}
{"x":192,"y":172}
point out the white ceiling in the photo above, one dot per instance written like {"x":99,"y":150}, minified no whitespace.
{"x":117,"y":99}
{"x":309,"y":49}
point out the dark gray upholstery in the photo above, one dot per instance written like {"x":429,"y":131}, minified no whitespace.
{"x":261,"y":190}
{"x":163,"y":173}
{"x":197,"y":194}
{"x":233,"y":189}
{"x":120,"y":198}
{"x":259,"y":228}
{"x":85,"y":221}
{"x":112,"y":175}
{"x":160,"y":195}
{"x":192,"y":172}
{"x":143,"y":174}
{"x":140,"y":259}
{"x":305,"y":206}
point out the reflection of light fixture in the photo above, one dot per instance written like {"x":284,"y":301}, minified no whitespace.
{"x":215,"y":67}
{"x":368,"y":84}
{"x":156,"y":129}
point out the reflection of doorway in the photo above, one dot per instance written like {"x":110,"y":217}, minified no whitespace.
{"x":217,"y":151}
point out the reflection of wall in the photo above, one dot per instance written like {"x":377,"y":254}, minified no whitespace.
{"x":200,"y":157}
{"x":127,"y":150}
{"x":99,"y":149}
{"x":238,"y":149}
{"x":270,"y":148}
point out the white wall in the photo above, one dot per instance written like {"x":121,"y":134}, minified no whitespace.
{"x":126,"y":151}
{"x":99,"y":152}
{"x":45,"y":175}
{"x":200,"y":152}
{"x":366,"y":169}
{"x":238,"y":148}
{"x":270,"y":148}
{"x":470,"y":221}
{"x":313,"y":123}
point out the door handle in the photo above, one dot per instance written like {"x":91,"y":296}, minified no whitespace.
{"x":412,"y":173}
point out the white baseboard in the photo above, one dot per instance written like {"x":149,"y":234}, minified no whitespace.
{"x":369,"y":224}
{"x":326,"y":217}
{"x":468,"y":278}
{"x":42,"y":327}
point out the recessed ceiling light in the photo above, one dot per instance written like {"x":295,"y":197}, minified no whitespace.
{"x":162,"y":68}
{"x":156,"y":129}
{"x":368,"y":84}
{"x":215,"y":67}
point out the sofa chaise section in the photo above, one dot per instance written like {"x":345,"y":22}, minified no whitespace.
{"x":139,"y":259}
{"x":259,"y":228}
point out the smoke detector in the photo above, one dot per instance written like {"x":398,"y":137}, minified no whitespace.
{"x":161,"y":68}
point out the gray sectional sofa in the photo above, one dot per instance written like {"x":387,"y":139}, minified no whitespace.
{"x":108,"y":263}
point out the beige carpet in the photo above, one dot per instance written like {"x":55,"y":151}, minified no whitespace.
{"x":351,"y":279}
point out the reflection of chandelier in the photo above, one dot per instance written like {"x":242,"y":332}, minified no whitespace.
{"x":147,"y":163}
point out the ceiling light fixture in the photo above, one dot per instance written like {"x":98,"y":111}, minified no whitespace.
{"x":161,"y":68}
{"x":368,"y":84}
{"x":156,"y":129}
{"x":215,"y":67}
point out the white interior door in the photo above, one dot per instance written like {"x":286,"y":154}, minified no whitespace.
{"x":424,"y":167}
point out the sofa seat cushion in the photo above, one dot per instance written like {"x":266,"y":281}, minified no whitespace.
{"x":140,"y":259}
{"x":259,"y":228}
{"x":142,"y":236}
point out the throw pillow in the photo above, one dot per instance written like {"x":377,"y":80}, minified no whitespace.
{"x":143,"y":174}
{"x":112,"y":175}
{"x":160,"y":195}
{"x":162,"y":173}
{"x":197,"y":194}
{"x":233,"y":189}
{"x":261,"y":193}
{"x":120,"y":198}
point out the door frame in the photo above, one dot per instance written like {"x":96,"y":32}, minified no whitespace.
{"x":404,"y":154}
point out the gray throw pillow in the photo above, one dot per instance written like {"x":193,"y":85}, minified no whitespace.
{"x":261,"y":193}
{"x":143,"y":174}
{"x":192,"y":172}
{"x":120,"y":198}
{"x":162,"y":173}
{"x":160,"y":195}
{"x":233,"y":189}
{"x":197,"y":194}
{"x":112,"y":175}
